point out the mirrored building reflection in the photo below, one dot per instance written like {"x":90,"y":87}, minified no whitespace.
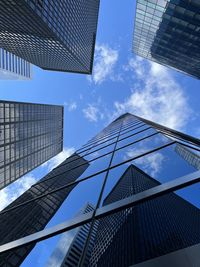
{"x":71,"y":244}
{"x":30,"y":134}
{"x":54,"y":35}
{"x":167,"y":32}
{"x":191,"y":157}
{"x":131,"y":175}
{"x":40,"y":208}
{"x":13,"y":67}
{"x":146,"y":231}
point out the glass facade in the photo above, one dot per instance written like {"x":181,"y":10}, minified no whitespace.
{"x":13,"y":67}
{"x":67,"y":253}
{"x":30,"y":134}
{"x":137,"y":186}
{"x":167,"y":32}
{"x":54,"y":35}
{"x":189,"y":155}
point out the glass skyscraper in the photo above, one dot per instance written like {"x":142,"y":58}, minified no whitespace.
{"x":54,"y":35}
{"x":149,"y":230}
{"x":34,"y":212}
{"x":30,"y":134}
{"x":137,"y":184}
{"x":189,"y":155}
{"x":13,"y":67}
{"x":167,"y":32}
{"x":70,"y":245}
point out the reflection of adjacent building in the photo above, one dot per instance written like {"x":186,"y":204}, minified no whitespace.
{"x":30,"y":134}
{"x":70,"y":246}
{"x":54,"y":35}
{"x":146,"y":231}
{"x":35,"y":215}
{"x":168,"y":32}
{"x":13,"y":67}
{"x":187,"y":154}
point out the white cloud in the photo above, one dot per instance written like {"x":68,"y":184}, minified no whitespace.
{"x":58,"y":159}
{"x":91,"y":113}
{"x":104,"y":62}
{"x":152,"y":163}
{"x":62,"y":247}
{"x":95,"y":112}
{"x":71,"y":106}
{"x":156,"y":96}
{"x":14,"y":190}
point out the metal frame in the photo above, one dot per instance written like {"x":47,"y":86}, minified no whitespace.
{"x":157,"y":191}
{"x":100,"y":212}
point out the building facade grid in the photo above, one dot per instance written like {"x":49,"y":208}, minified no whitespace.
{"x":13,"y":67}
{"x":54,"y":35}
{"x":30,"y":134}
{"x":99,"y":154}
{"x":167,"y":32}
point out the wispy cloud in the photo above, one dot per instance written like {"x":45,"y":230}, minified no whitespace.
{"x":156,"y":95}
{"x":13,"y":191}
{"x":54,"y":162}
{"x":71,"y":106}
{"x":152,"y":164}
{"x":61,"y":250}
{"x":104,"y":63}
{"x":94,"y":112}
{"x":91,"y":112}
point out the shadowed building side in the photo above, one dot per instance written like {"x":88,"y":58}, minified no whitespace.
{"x":167,"y":32}
{"x":34,"y":216}
{"x":148,"y":230}
{"x":54,"y":35}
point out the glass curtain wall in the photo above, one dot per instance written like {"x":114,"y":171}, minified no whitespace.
{"x":143,"y":192}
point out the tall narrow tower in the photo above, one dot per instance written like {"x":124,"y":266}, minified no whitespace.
{"x":30,"y":134}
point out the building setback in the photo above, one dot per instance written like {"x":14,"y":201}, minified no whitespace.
{"x":30,"y":134}
{"x":167,"y":32}
{"x":13,"y":67}
{"x":54,"y":35}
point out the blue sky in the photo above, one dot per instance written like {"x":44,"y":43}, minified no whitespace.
{"x":120,"y":82}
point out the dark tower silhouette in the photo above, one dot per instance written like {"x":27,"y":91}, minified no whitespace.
{"x":148,"y":230}
{"x":54,"y":35}
{"x":35,"y":215}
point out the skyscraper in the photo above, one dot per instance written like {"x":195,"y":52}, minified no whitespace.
{"x":13,"y":67}
{"x":113,"y":171}
{"x":30,"y":134}
{"x":144,"y":231}
{"x":167,"y":33}
{"x":70,"y":245}
{"x":189,"y":156}
{"x":54,"y":35}
{"x":35,"y":215}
